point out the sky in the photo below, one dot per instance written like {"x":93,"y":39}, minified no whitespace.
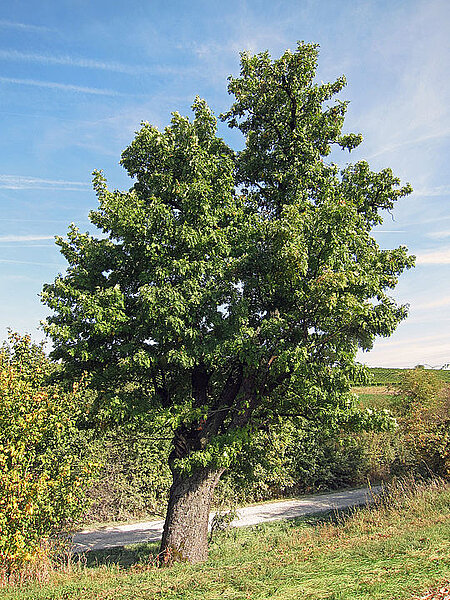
{"x":78,"y":77}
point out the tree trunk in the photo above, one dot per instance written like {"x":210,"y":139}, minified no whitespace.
{"x":185,"y":535}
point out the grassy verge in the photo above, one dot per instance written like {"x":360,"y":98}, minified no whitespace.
{"x":395,"y":550}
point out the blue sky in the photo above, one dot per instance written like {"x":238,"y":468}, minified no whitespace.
{"x":78,"y":77}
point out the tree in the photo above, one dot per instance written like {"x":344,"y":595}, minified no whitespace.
{"x":231,"y":288}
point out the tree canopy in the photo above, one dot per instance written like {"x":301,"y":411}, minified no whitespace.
{"x":230,"y":287}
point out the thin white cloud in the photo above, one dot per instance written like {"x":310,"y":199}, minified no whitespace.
{"x":410,"y":142}
{"x":19,"y":182}
{"x":406,"y":122}
{"x":60,"y":86}
{"x":424,"y":221}
{"x":407,"y":357}
{"x":437,"y":219}
{"x":19,"y":220}
{"x":25,"y":26}
{"x":28,"y":245}
{"x":408,"y":352}
{"x":220,"y":58}
{"x":434,"y":257}
{"x":441,"y":190}
{"x":428,"y":339}
{"x":439,"y":303}
{"x":29,"y":262}
{"x":25,"y":238}
{"x":439,"y":234}
{"x":72,"y":61}
{"x":18,"y":278}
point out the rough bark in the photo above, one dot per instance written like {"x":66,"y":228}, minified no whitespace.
{"x":185,"y":535}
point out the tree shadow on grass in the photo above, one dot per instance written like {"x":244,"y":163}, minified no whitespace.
{"x":122,"y":556}
{"x":130,"y":556}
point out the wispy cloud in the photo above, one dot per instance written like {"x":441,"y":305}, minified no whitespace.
{"x":409,"y":351}
{"x":410,"y":142}
{"x":406,"y":120}
{"x":28,"y":245}
{"x":20,"y":220}
{"x":440,"y":190}
{"x":439,"y":303}
{"x":426,"y":339}
{"x":439,"y":234}
{"x":72,"y":61}
{"x":19,"y":182}
{"x":410,"y":355}
{"x":60,"y":86}
{"x":16,"y":277}
{"x":25,"y":238}
{"x":434,"y":257}
{"x":25,"y":26}
{"x":29,"y":262}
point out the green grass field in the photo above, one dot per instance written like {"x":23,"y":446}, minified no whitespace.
{"x":384,"y":385}
{"x":386,"y":376}
{"x":395,"y":551}
{"x":375,"y":396}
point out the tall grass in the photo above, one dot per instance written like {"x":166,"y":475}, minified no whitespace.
{"x":397,"y":548}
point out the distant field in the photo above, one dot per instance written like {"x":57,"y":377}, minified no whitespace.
{"x":374,"y":396}
{"x":383,"y":385}
{"x":385,"y":376}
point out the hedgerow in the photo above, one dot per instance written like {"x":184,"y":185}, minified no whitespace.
{"x":41,"y":477}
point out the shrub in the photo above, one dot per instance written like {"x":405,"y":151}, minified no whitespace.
{"x":134,"y":477}
{"x":41,"y":478}
{"x":423,"y":405}
{"x":292,"y":458}
{"x":285,"y":458}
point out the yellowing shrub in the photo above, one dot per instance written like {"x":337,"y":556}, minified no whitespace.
{"x":423,"y":403}
{"x":41,"y":478}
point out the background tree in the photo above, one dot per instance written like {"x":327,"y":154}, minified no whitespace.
{"x":231,"y":288}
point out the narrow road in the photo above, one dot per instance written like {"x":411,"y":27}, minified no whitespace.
{"x":151,"y":531}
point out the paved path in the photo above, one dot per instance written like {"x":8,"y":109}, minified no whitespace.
{"x":151,"y":531}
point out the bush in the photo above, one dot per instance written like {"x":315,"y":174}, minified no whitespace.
{"x":423,"y":407}
{"x":287,"y":457}
{"x":134,"y":477}
{"x":41,"y":478}
{"x":293,"y":458}
{"x":284,"y":459}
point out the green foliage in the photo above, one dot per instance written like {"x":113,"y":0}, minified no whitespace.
{"x":284,"y":459}
{"x":419,"y":400}
{"x":291,"y":458}
{"x":41,"y":479}
{"x":230,"y":288}
{"x":423,"y":405}
{"x":134,"y":477}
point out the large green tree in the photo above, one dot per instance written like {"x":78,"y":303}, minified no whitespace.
{"x":230,"y":288}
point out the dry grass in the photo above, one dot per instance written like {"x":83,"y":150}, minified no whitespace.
{"x":397,"y":549}
{"x":376,"y":390}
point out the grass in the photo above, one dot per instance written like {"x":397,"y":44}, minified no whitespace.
{"x":386,"y":376}
{"x":374,"y":396}
{"x":395,"y":550}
